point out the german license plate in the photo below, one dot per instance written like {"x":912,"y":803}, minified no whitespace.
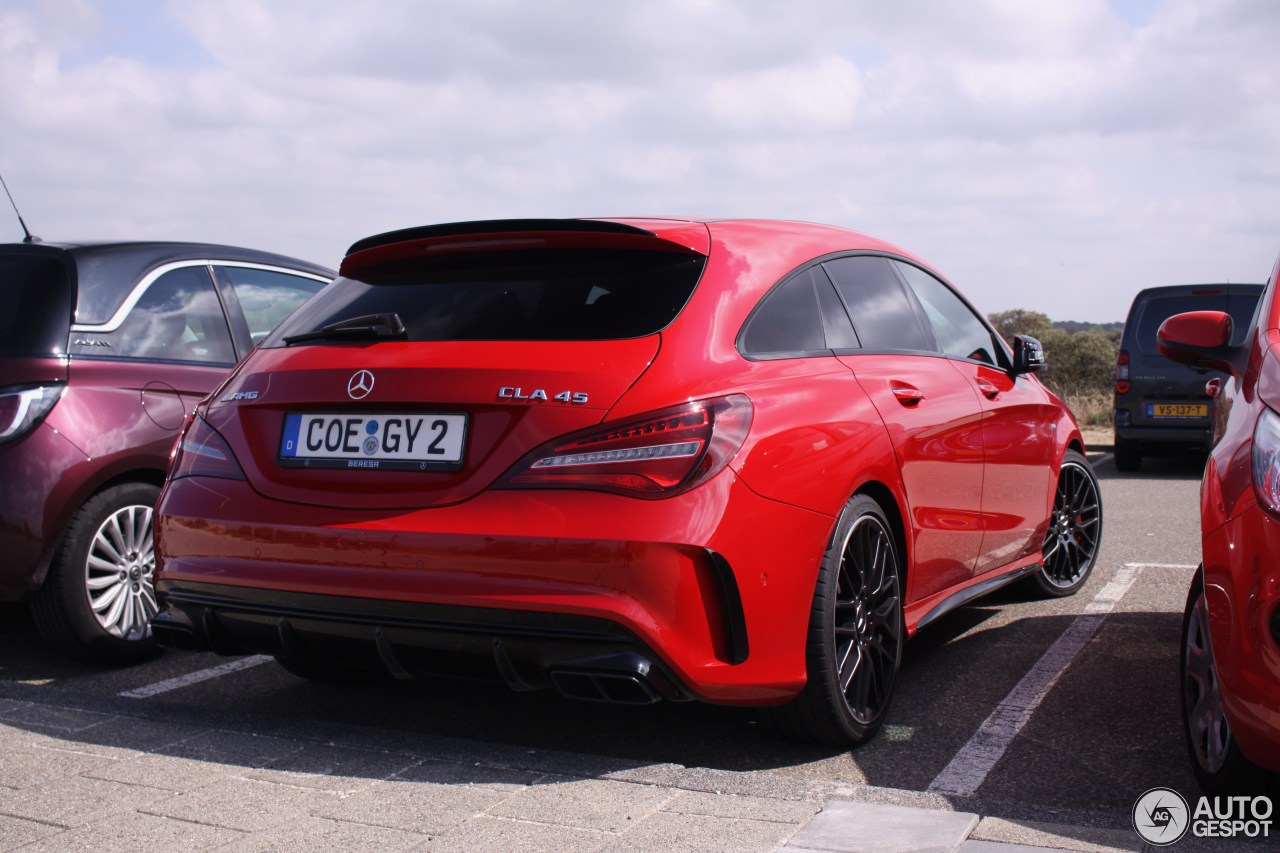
{"x":1177,"y":410}
{"x":382,"y":441}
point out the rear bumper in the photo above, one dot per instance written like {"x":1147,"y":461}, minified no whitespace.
{"x":583,"y":657}
{"x":40,"y":473}
{"x":1197,"y":436}
{"x":710,"y":590}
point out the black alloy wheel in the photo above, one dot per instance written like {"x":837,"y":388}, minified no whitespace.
{"x":1075,"y":529}
{"x":856,"y":633}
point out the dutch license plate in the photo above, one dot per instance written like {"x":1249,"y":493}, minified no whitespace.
{"x":1177,"y":410}
{"x":382,"y":441}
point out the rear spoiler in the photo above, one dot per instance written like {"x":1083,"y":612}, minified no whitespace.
{"x":514,"y":234}
{"x":494,"y":226}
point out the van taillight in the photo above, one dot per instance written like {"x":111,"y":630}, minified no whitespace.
{"x":1122,"y":372}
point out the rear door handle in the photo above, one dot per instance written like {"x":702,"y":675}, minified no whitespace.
{"x":907,"y":394}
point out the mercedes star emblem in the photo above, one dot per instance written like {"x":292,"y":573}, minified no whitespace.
{"x":360,"y":385}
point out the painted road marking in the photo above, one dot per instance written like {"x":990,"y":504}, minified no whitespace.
{"x":969,"y":768}
{"x":195,"y":677}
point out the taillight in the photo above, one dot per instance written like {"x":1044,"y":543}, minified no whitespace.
{"x":1122,"y":372}
{"x":21,"y":408}
{"x":201,"y":452}
{"x":1266,"y":460}
{"x":655,"y":455}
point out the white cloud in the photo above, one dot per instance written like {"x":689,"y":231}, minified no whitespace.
{"x":1043,"y":155}
{"x":789,"y":100}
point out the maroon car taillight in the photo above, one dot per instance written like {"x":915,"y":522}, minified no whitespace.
{"x":21,"y":408}
{"x":656,"y":455}
{"x":1122,"y":372}
{"x":201,"y":452}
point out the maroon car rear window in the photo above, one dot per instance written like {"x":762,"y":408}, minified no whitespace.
{"x":35,"y":306}
{"x":549,"y":295}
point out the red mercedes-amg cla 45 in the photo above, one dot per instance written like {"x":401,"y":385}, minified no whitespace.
{"x":629,"y":459}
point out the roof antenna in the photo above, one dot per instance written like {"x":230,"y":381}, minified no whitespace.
{"x":29,"y":238}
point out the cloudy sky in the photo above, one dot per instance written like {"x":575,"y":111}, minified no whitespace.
{"x":1056,"y":155}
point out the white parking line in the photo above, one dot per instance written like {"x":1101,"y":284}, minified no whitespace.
{"x":195,"y":677}
{"x":969,"y":768}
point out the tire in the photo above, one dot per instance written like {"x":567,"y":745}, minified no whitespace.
{"x":1220,"y":768}
{"x":97,"y":601}
{"x":1128,"y":456}
{"x":1071,"y":543}
{"x":855,"y":635}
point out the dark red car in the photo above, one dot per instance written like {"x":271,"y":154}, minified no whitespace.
{"x":105,"y":348}
{"x":732,"y":461}
{"x":1231,"y":628}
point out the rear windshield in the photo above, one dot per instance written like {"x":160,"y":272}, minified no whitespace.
{"x":546,"y":295}
{"x":1239,"y":305}
{"x":35,"y":306}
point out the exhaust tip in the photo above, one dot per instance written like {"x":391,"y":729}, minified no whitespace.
{"x":611,"y":688}
{"x":622,"y":678}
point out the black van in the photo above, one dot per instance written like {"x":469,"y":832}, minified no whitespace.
{"x":1160,"y":405}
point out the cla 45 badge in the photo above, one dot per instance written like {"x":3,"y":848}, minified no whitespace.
{"x":507,"y":392}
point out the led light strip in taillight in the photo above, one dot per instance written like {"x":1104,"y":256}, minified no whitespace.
{"x":629,"y":454}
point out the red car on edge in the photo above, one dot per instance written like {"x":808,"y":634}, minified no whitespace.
{"x":1231,"y":627}
{"x":628,"y":459}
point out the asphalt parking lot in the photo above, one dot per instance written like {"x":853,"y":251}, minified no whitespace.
{"x":1018,"y":721}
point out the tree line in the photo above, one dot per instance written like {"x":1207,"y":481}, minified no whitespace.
{"x":1081,"y":358}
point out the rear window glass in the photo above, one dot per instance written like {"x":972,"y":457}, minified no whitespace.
{"x":551,"y":295}
{"x":35,"y":306}
{"x":1156,"y":310}
{"x":267,"y":297}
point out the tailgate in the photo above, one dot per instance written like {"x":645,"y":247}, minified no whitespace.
{"x":483,"y":404}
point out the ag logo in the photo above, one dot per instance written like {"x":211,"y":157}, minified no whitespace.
{"x":1161,"y":817}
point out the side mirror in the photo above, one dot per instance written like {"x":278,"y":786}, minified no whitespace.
{"x":1198,"y":339}
{"x":1028,"y":355}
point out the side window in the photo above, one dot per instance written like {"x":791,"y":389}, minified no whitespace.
{"x":958,"y":330}
{"x":840,"y":334}
{"x":179,"y":318}
{"x":881,"y":309}
{"x":267,"y":297}
{"x":788,"y":322}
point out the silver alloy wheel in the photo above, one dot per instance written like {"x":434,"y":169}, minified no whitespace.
{"x":1072,"y":539}
{"x":119,"y":573}
{"x":868,"y":625}
{"x":1206,"y":722}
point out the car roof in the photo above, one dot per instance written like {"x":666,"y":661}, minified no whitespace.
{"x":109,"y":269}
{"x":785,"y":242}
{"x":1229,"y":288}
{"x":144,"y":254}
